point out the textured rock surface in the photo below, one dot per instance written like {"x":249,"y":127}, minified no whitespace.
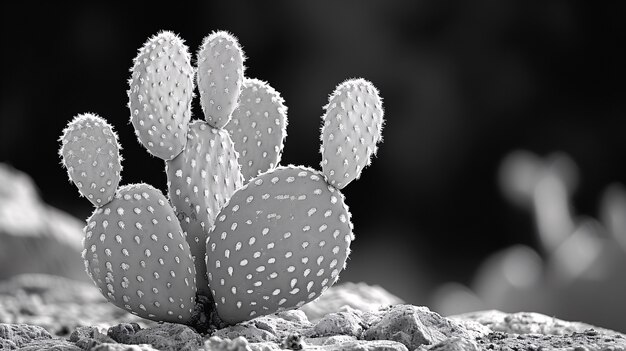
{"x":44,"y":312}
{"x":358,"y":296}
{"x":526,"y":323}
{"x":415,"y":326}
{"x":35,"y":237}
{"x":59,"y":305}
{"x":13,"y":336}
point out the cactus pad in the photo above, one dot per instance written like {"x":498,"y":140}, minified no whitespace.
{"x":160,"y":94}
{"x":258,"y":127}
{"x":220,"y":76}
{"x":136,"y":254}
{"x":279,"y":243}
{"x":200,"y":181}
{"x":352,"y":127}
{"x":91,"y":155}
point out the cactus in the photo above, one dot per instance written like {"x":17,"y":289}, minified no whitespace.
{"x":221,"y":251}
{"x":220,"y":75}
{"x":258,"y":127}
{"x":352,"y":128}
{"x":160,"y":94}
{"x":91,"y":155}
{"x":284,"y":237}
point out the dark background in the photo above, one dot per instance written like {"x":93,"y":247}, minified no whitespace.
{"x":464,"y":83}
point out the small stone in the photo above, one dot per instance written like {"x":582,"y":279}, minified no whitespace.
{"x":452,"y":344}
{"x":17,"y":335}
{"x":51,"y":345}
{"x":166,"y":336}
{"x":89,"y":337}
{"x":414,"y":326}
{"x":345,"y":323}
{"x":122,"y":347}
{"x":123,"y":331}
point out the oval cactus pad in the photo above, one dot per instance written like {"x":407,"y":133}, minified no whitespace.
{"x":136,"y":254}
{"x":220,"y":75}
{"x":352,"y":127}
{"x":91,"y":155}
{"x":279,"y":243}
{"x":160,"y":93}
{"x":258,"y":127}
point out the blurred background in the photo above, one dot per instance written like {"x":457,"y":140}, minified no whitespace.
{"x":498,"y":182}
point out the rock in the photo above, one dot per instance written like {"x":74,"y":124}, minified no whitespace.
{"x":122,"y":347}
{"x":215,"y":343}
{"x":241,"y":344}
{"x":273,"y":327}
{"x":359,"y":296}
{"x":415,"y":326}
{"x":249,"y":331}
{"x":165,"y":336}
{"x":58,"y":304}
{"x":89,"y":337}
{"x":51,"y":345}
{"x":589,"y":340}
{"x":452,"y":344}
{"x":14,"y":336}
{"x":363,"y":345}
{"x":35,"y":237}
{"x":346,"y":323}
{"x":526,"y":323}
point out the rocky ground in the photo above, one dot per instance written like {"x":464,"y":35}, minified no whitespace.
{"x":43,"y":312}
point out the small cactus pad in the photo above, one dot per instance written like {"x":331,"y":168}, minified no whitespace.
{"x":352,"y":127}
{"x":136,"y":254}
{"x":91,"y":155}
{"x":279,"y":243}
{"x":220,"y":76}
{"x":200,"y":182}
{"x":258,"y":127}
{"x":160,"y":94}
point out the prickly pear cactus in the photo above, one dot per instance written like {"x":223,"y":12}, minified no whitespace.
{"x":160,"y":93}
{"x":258,"y":127}
{"x":352,"y":128}
{"x":284,"y":237}
{"x":221,"y":251}
{"x":136,"y":253}
{"x":220,"y":75}
{"x":91,"y":155}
